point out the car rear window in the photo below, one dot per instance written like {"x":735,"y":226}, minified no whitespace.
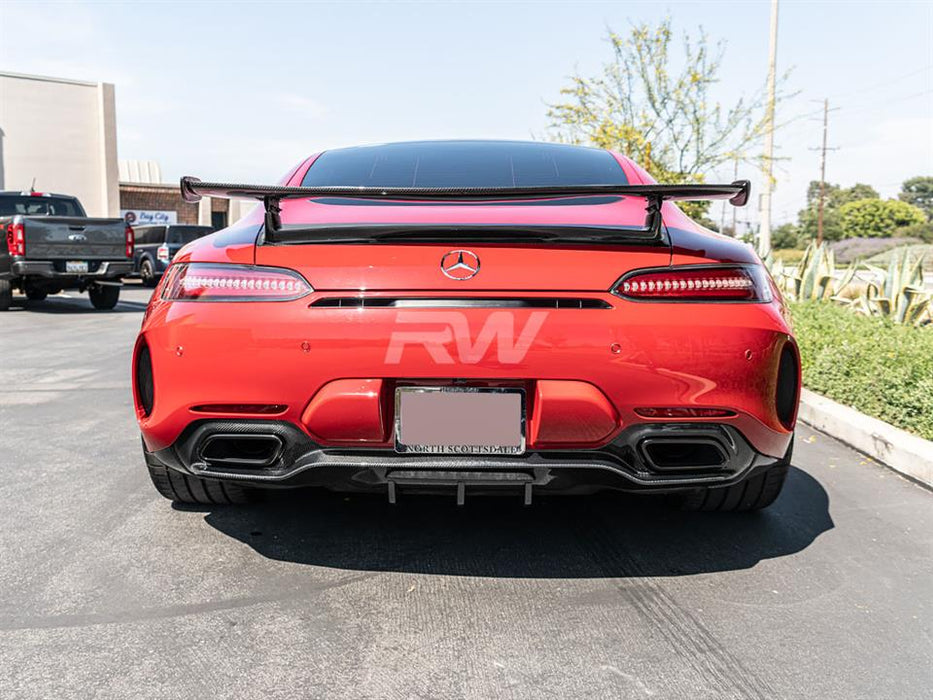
{"x":465,"y":164}
{"x":39,"y":206}
{"x":186,"y":234}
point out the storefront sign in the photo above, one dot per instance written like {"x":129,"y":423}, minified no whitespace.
{"x":146,"y":217}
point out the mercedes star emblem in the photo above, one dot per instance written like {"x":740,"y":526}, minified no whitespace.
{"x":460,"y":264}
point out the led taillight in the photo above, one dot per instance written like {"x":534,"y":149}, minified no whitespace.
{"x":16,"y":238}
{"x":221,"y":282}
{"x":130,"y":240}
{"x":162,"y":253}
{"x":697,"y":283}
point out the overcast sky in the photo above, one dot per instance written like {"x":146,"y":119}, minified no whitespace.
{"x":241,"y":91}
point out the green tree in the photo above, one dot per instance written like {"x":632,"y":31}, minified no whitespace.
{"x":877,"y":218}
{"x":833,"y":198}
{"x":658,"y":110}
{"x":785,"y":236}
{"x":919,"y":192}
{"x":850,"y":194}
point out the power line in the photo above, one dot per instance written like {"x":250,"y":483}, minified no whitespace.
{"x":887,"y":81}
{"x":869,"y":107}
{"x":855,"y":109}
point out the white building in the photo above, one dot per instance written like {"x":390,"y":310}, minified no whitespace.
{"x":60,"y":136}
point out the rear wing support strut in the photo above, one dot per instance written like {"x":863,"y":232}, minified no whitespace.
{"x":192,"y":189}
{"x":273,"y":212}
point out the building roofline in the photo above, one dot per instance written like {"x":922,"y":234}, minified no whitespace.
{"x":49,"y":79}
{"x":153,"y":185}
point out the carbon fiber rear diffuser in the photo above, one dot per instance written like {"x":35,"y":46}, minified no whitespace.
{"x":458,"y":480}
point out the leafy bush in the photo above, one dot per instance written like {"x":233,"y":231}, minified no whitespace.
{"x":872,"y":364}
{"x":877,"y":217}
{"x":922,"y":231}
{"x":784,"y":237}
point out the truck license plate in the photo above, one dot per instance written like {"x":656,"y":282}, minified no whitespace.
{"x":76,"y":266}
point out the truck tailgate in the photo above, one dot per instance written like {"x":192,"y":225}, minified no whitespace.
{"x":74,"y":238}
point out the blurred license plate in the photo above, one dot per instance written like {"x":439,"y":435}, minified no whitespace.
{"x":460,"y":420}
{"x":76,"y":266}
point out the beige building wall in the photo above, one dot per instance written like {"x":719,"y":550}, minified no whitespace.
{"x":63,"y":133}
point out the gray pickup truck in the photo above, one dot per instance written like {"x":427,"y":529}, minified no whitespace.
{"x":52,"y":245}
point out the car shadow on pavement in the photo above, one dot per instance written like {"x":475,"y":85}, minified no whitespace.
{"x":558,"y":537}
{"x":72,"y":305}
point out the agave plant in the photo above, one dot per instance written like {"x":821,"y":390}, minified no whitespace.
{"x":814,"y":278}
{"x":896,"y":292}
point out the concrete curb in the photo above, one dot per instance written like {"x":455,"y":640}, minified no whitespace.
{"x":905,"y":453}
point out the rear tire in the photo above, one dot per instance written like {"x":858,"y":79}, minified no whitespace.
{"x":182,"y":488}
{"x":147,"y":273}
{"x":104,"y":297}
{"x":754,"y":493}
{"x":6,"y":294}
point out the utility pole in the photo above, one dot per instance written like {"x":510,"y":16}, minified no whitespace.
{"x":823,"y":149}
{"x":764,"y":238}
{"x":819,"y":224}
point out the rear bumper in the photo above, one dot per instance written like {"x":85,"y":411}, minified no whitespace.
{"x":331,"y":372}
{"x":292,"y":459}
{"x":48,"y":270}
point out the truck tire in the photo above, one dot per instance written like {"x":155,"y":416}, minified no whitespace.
{"x":147,"y":273}
{"x":755,"y":493}
{"x":6,"y":294}
{"x":104,"y":296}
{"x":182,"y":488}
{"x":36,"y":294}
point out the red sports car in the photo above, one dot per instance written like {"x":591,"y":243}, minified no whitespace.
{"x":468,"y":316}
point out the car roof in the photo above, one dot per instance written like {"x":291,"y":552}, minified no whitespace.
{"x":505,"y":143}
{"x":27,"y":193}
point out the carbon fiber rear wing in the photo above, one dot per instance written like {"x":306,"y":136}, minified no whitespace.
{"x":192,"y":189}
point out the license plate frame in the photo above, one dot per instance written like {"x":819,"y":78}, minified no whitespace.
{"x":514,"y":445}
{"x":76,"y":267}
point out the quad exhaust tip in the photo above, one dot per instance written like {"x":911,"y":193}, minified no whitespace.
{"x":683,"y":454}
{"x":243,"y":451}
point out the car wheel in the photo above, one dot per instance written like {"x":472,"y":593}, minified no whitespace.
{"x":754,"y":493}
{"x":6,"y":294}
{"x":36,"y":294}
{"x":104,"y":296}
{"x":147,"y":273}
{"x":182,"y":488}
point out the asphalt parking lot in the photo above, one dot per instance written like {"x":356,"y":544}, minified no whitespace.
{"x":106,"y":590}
